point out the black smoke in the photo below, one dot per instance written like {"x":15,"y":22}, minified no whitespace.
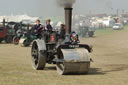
{"x":65,"y":3}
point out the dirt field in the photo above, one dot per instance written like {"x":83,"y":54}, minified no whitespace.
{"x":110,"y":66}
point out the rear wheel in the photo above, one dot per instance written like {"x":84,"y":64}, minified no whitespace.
{"x":38,"y":58}
{"x":9,"y":39}
{"x":16,"y":40}
{"x":1,"y":40}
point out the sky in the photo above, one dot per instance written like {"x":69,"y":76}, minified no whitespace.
{"x":50,"y":7}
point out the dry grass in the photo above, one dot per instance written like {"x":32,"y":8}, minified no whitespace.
{"x":110,"y":66}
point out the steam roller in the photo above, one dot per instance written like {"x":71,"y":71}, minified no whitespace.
{"x":69,"y":56}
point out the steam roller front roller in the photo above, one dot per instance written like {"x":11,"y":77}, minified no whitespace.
{"x":75,"y":61}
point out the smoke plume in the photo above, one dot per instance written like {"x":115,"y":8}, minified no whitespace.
{"x":66,"y":3}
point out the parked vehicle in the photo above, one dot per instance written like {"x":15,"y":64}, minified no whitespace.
{"x":7,"y":31}
{"x":117,"y":26}
{"x":22,"y":30}
{"x":26,"y":39}
{"x":2,"y":34}
{"x":85,"y":31}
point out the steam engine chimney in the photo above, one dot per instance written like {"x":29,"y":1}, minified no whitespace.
{"x":68,"y":20}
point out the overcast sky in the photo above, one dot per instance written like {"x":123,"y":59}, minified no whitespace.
{"x":49,"y":7}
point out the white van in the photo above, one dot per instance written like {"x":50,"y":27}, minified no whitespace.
{"x":118,"y":26}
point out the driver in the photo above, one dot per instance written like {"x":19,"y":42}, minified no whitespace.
{"x":37,"y":29}
{"x":48,"y":25}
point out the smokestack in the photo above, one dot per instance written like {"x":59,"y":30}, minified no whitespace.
{"x":67,"y":4}
{"x":4,"y":22}
{"x":68,"y":20}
